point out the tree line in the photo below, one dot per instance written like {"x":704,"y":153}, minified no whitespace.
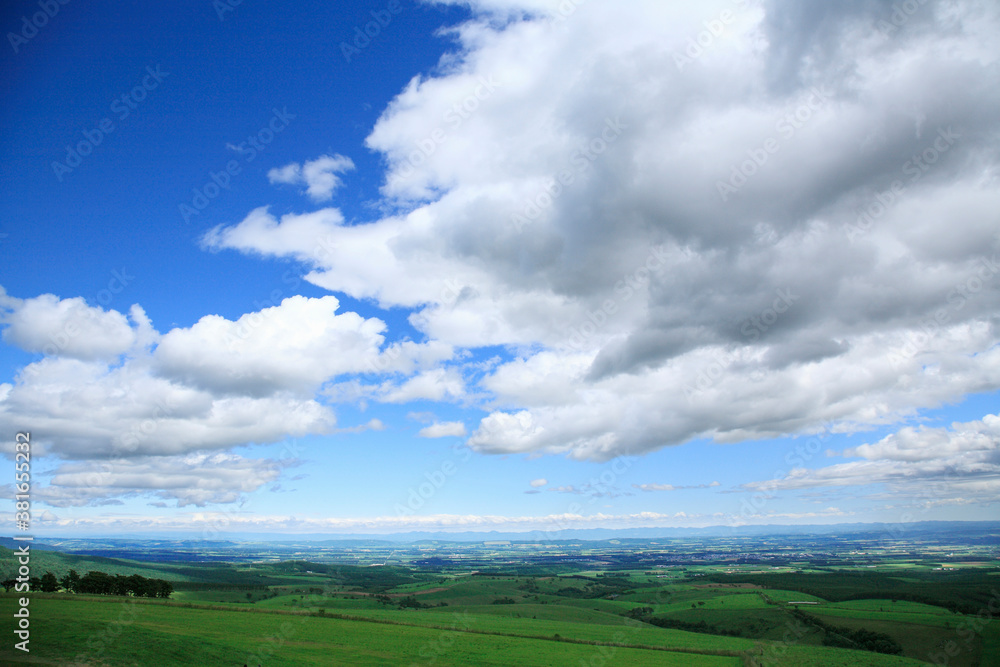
{"x":98,"y":583}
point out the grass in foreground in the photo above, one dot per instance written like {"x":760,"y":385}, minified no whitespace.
{"x":118,"y":632}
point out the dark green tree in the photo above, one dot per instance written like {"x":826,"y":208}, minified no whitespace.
{"x":70,"y":581}
{"x":49,"y":583}
{"x":163,"y":588}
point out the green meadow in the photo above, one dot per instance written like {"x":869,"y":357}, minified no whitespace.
{"x":299,"y":613}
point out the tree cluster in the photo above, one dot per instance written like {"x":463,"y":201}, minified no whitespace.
{"x":866,"y":640}
{"x":99,"y":583}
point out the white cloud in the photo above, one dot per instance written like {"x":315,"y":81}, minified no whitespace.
{"x":646,"y":310}
{"x":655,"y":487}
{"x":193,"y":479}
{"x":218,"y":522}
{"x":443,"y":430}
{"x":294,"y":346}
{"x":439,"y":384}
{"x":641,"y":305}
{"x":536,"y":483}
{"x":921,"y":443}
{"x":114,"y":389}
{"x":370,"y":425}
{"x":71,"y":328}
{"x":90,"y":410}
{"x":671,"y":487}
{"x":319,"y":175}
{"x":960,"y":463}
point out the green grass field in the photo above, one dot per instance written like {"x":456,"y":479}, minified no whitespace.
{"x":297,"y":613}
{"x":107,"y":632}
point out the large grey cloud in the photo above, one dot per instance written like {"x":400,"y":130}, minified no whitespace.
{"x":791,"y":225}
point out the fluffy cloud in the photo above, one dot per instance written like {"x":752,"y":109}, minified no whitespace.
{"x":319,"y":175}
{"x":443,"y":430}
{"x":794,"y":227}
{"x":938,"y":465}
{"x":438,"y":384}
{"x":295,"y":346}
{"x":165,"y":408}
{"x":923,"y":444}
{"x":89,"y":410}
{"x":71,"y":328}
{"x":194,"y":479}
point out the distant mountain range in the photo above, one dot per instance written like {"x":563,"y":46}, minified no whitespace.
{"x":900,"y":530}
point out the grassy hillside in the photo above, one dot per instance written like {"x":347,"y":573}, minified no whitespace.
{"x":68,"y":632}
{"x":306,"y":613}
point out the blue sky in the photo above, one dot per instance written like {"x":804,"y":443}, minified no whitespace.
{"x":500,"y":264}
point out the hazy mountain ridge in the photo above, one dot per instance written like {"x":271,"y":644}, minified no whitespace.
{"x":988,"y":529}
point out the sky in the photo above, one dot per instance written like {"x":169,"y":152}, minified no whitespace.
{"x":474,"y":265}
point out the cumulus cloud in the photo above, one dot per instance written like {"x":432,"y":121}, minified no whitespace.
{"x":437,"y":385}
{"x":319,"y":175}
{"x":960,"y":463}
{"x":194,"y":479}
{"x":921,"y":443}
{"x":90,"y":410}
{"x":71,"y":328}
{"x":294,"y":346}
{"x":443,"y":430}
{"x":793,"y":229}
{"x":536,"y":483}
{"x":109,"y":387}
